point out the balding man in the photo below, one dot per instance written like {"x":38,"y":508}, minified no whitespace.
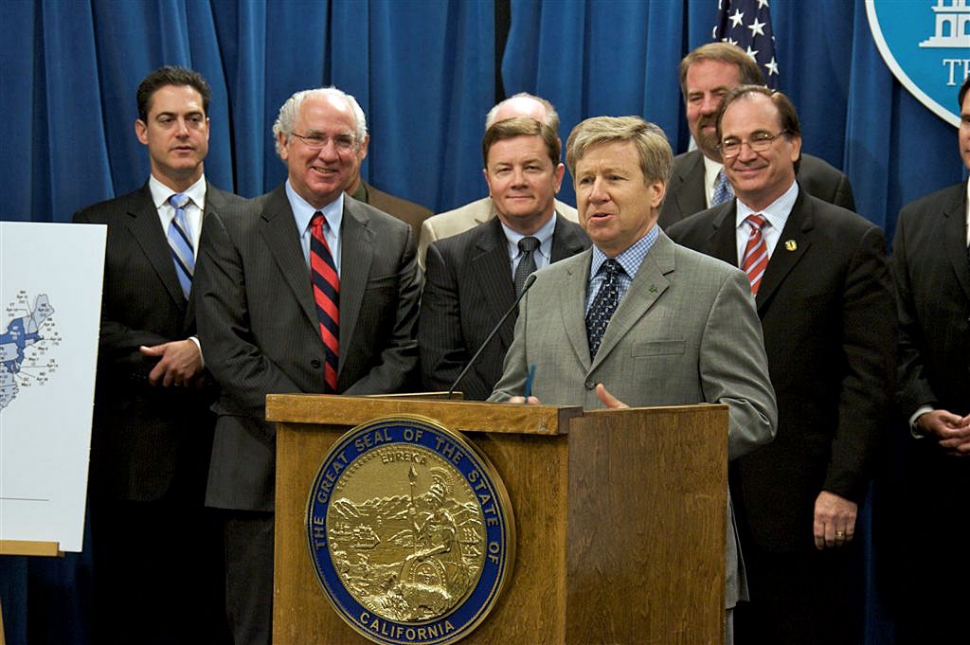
{"x":471,"y":215}
{"x":823,"y":292}
{"x":304,"y":289}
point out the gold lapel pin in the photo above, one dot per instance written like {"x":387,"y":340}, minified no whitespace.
{"x":791,"y":245}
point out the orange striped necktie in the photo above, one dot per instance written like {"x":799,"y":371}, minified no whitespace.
{"x":755,"y":259}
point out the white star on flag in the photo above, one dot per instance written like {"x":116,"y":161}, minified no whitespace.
{"x":747,"y":24}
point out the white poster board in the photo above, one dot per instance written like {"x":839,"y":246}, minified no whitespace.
{"x":50,"y":310}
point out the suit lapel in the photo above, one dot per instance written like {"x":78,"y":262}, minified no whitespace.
{"x":356,"y":255}
{"x":566,"y":241}
{"x":955,"y":238}
{"x":572,"y":306}
{"x":278,"y":229}
{"x":214,"y":202}
{"x":493,"y":273}
{"x":647,"y":287}
{"x":147,"y":230}
{"x":723,"y":243}
{"x":689,"y":191}
{"x":795,"y":240}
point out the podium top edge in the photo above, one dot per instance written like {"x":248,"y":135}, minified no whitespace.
{"x":465,"y":416}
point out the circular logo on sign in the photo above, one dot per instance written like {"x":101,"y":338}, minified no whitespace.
{"x":410,"y":531}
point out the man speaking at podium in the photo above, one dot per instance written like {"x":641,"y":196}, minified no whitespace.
{"x":638,"y":320}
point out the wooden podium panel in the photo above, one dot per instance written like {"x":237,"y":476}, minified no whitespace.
{"x":619,"y":515}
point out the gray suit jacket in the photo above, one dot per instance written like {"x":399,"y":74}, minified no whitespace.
{"x":686,"y":332}
{"x":685,"y":190}
{"x":259,"y":329}
{"x":467,"y":217}
{"x":468,"y":288}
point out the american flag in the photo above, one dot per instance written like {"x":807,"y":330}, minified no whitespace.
{"x":747,"y":24}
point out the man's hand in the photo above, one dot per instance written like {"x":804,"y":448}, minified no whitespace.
{"x":834,"y":520}
{"x":608,"y":399}
{"x":951,"y":431}
{"x":180,"y":364}
{"x":521,"y":399}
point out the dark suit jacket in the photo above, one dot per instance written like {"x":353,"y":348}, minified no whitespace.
{"x":468,"y":288}
{"x":827,"y":313}
{"x":258,"y":325}
{"x":932,"y":275}
{"x":407,"y":212}
{"x":685,"y":191}
{"x":145,"y":439}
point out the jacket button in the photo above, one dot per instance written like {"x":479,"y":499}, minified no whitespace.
{"x":315,"y":363}
{"x":590,"y":385}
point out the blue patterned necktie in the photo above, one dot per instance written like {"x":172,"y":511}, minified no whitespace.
{"x":180,"y":242}
{"x":605,"y":303}
{"x":722,"y":189}
{"x":527,"y":263}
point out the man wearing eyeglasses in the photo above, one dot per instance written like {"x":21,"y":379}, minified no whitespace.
{"x":304,"y":289}
{"x":823,"y":293}
{"x":698,"y":181}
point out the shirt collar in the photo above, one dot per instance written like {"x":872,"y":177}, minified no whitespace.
{"x":544,"y":235}
{"x":161,"y":192}
{"x":303,"y":211}
{"x":711,"y":168}
{"x":631,"y":259}
{"x":776,"y":213}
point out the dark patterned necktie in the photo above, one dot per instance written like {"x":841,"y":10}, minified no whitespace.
{"x":527,"y":263}
{"x":180,"y":243}
{"x":326,"y":295}
{"x":605,"y":303}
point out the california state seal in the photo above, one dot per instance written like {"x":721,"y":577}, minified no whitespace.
{"x":410,"y":531}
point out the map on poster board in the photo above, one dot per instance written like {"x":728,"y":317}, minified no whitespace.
{"x":50,"y":308}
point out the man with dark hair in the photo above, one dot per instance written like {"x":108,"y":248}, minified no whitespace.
{"x":655,"y":323}
{"x":472,"y":278}
{"x":303,"y":289}
{"x":698,"y":181}
{"x":479,"y":211}
{"x":932,"y":273}
{"x":823,"y":292}
{"x":152,"y":431}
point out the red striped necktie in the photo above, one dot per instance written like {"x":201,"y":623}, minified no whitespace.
{"x":755,"y":259}
{"x":326,"y":295}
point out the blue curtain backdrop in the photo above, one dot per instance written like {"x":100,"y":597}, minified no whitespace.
{"x":425,"y":73}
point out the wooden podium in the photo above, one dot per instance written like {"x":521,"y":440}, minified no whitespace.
{"x":620,"y":518}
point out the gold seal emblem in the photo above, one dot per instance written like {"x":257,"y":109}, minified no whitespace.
{"x":409,"y":527}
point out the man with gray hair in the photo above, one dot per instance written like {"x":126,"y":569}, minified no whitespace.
{"x":471,"y":215}
{"x":653,"y":322}
{"x":303,"y":289}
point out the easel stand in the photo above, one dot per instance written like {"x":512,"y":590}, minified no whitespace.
{"x":24,"y":547}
